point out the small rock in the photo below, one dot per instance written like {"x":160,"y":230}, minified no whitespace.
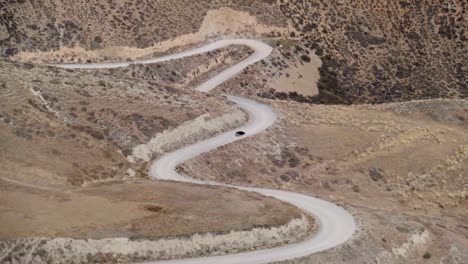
{"x":375,"y":174}
{"x":355,"y":188}
{"x":131,"y":173}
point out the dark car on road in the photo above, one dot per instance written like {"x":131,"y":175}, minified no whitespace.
{"x":240,"y":133}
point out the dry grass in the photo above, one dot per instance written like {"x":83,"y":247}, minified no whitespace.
{"x":144,"y":209}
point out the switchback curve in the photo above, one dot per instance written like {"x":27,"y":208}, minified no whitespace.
{"x":336,"y":225}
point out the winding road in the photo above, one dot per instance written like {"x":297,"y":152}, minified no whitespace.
{"x":336,"y":225}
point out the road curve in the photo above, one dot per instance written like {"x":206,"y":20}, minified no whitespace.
{"x":336,"y":225}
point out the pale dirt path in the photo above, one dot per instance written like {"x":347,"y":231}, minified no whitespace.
{"x":27,"y":184}
{"x":336,"y":225}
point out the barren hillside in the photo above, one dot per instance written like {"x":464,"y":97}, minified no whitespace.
{"x":373,"y":116}
{"x":68,"y":139}
{"x":372,"y":51}
{"x":403,"y":174}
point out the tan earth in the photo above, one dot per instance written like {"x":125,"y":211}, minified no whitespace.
{"x":144,"y":209}
{"x":302,"y":80}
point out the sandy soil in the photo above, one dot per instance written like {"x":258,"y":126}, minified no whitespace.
{"x":152,"y":209}
{"x":301,"y":78}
